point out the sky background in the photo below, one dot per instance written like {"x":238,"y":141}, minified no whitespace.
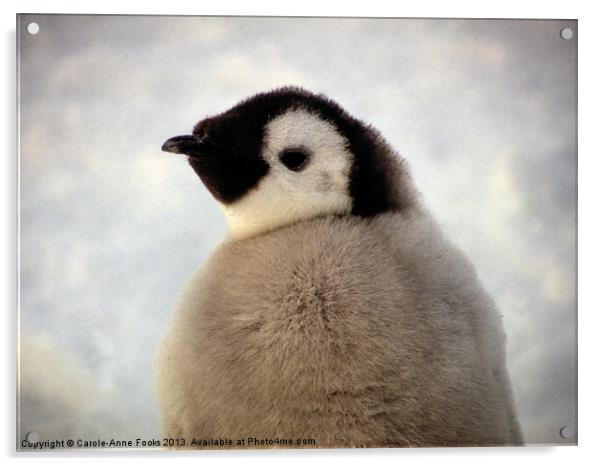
{"x":111,"y":227}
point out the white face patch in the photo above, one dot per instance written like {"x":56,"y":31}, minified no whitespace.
{"x":284,"y":196}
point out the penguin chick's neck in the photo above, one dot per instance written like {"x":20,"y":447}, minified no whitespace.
{"x":250,"y":217}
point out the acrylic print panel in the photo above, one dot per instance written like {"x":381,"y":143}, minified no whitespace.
{"x":335,"y":313}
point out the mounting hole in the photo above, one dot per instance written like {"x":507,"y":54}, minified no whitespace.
{"x":33,"y":28}
{"x":566,"y":33}
{"x":32,"y":437}
{"x":565,"y":432}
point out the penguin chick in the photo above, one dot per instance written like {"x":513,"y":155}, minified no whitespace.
{"x":336,"y":310}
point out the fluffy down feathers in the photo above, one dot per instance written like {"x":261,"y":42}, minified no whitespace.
{"x":352,"y":331}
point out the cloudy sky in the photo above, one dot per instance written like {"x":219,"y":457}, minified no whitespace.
{"x":484,"y":111}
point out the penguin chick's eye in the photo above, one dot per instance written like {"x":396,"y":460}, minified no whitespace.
{"x":294,"y":159}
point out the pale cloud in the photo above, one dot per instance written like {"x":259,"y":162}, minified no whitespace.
{"x":59,"y":398}
{"x":241,"y":72}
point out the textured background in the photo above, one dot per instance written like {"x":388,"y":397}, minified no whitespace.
{"x":111,"y":227}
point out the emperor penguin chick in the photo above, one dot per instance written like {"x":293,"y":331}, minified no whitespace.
{"x":335,"y":310}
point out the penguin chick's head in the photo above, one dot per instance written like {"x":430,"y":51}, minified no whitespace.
{"x":289,"y":155}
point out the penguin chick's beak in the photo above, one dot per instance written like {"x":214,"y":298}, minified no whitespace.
{"x":190,"y":145}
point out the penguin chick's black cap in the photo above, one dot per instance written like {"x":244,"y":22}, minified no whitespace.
{"x":225,"y":151}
